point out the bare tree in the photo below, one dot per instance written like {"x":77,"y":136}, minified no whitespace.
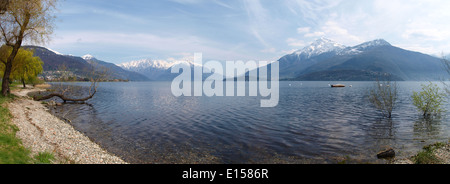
{"x":384,"y":97}
{"x":23,"y":20}
{"x":65,"y":92}
{"x":446,"y":65}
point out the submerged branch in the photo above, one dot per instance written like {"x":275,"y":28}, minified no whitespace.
{"x":65,"y":92}
{"x":64,"y":98}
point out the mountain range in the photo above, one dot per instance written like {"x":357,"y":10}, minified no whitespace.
{"x":326,"y":60}
{"x":54,"y":61}
{"x":159,"y":70}
{"x":323,"y":60}
{"x":115,"y":71}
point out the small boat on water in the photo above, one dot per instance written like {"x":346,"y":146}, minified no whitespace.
{"x":338,"y":86}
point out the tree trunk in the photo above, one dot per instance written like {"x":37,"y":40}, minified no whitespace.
{"x":23,"y":82}
{"x":5,"y":85}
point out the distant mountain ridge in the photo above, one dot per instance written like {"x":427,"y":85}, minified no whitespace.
{"x":115,"y":71}
{"x":378,"y":59}
{"x":328,"y":60}
{"x":54,"y":61}
{"x":322,"y":60}
{"x":159,"y":70}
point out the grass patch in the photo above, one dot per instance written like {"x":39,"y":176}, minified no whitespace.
{"x":44,"y":158}
{"x":427,"y":156}
{"x":11,"y":149}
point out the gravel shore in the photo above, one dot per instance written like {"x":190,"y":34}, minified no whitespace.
{"x":42,"y":132}
{"x":442,"y":154}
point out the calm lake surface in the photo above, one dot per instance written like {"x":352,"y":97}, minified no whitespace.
{"x":142,"y":122}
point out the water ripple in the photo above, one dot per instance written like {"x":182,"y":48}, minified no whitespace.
{"x":145,"y":123}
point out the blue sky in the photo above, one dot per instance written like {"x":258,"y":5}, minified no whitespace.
{"x":119,"y":31}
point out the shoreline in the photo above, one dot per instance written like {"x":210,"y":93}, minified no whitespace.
{"x":439,"y":155}
{"x":40,"y":131}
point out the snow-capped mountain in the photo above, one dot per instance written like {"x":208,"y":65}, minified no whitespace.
{"x":327,"y":60}
{"x":54,"y":51}
{"x":81,"y":66}
{"x":114,"y":71}
{"x":157,"y":69}
{"x":157,"y":64}
{"x":145,"y":63}
{"x":88,"y":57}
{"x":324,"y":45}
{"x":320,"y":46}
{"x":369,"y":45}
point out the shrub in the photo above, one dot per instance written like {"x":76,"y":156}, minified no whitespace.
{"x":429,"y":100}
{"x":427,"y":156}
{"x":384,"y":96}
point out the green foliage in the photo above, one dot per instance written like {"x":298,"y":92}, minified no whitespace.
{"x":429,"y":101}
{"x":427,"y":156}
{"x":44,"y":158}
{"x":25,"y":68}
{"x":11,"y":149}
{"x":384,"y":97}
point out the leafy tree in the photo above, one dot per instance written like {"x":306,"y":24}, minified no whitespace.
{"x":25,"y":68}
{"x":429,"y":100}
{"x":23,"y":20}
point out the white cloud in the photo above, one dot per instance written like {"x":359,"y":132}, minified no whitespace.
{"x":334,"y":31}
{"x":284,"y":52}
{"x":416,"y":25}
{"x":296,"y":42}
{"x":267,"y":28}
{"x":315,"y":34}
{"x":188,"y":1}
{"x":426,"y":34}
{"x":420,"y":48}
{"x":164,"y":45}
{"x":220,"y":3}
{"x":118,"y":15}
{"x":331,"y":30}
{"x":258,"y":36}
{"x":312,"y":11}
{"x":258,"y":20}
{"x":302,"y":30}
{"x":269,"y":50}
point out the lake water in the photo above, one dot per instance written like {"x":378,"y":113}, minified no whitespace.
{"x":143,"y":122}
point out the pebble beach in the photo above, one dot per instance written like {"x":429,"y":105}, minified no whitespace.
{"x":40,"y":131}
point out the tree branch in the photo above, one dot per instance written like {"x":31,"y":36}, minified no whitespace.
{"x":64,"y":98}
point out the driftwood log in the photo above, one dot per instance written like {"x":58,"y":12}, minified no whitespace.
{"x":64,"y":93}
{"x":97,"y":74}
{"x":64,"y":98}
